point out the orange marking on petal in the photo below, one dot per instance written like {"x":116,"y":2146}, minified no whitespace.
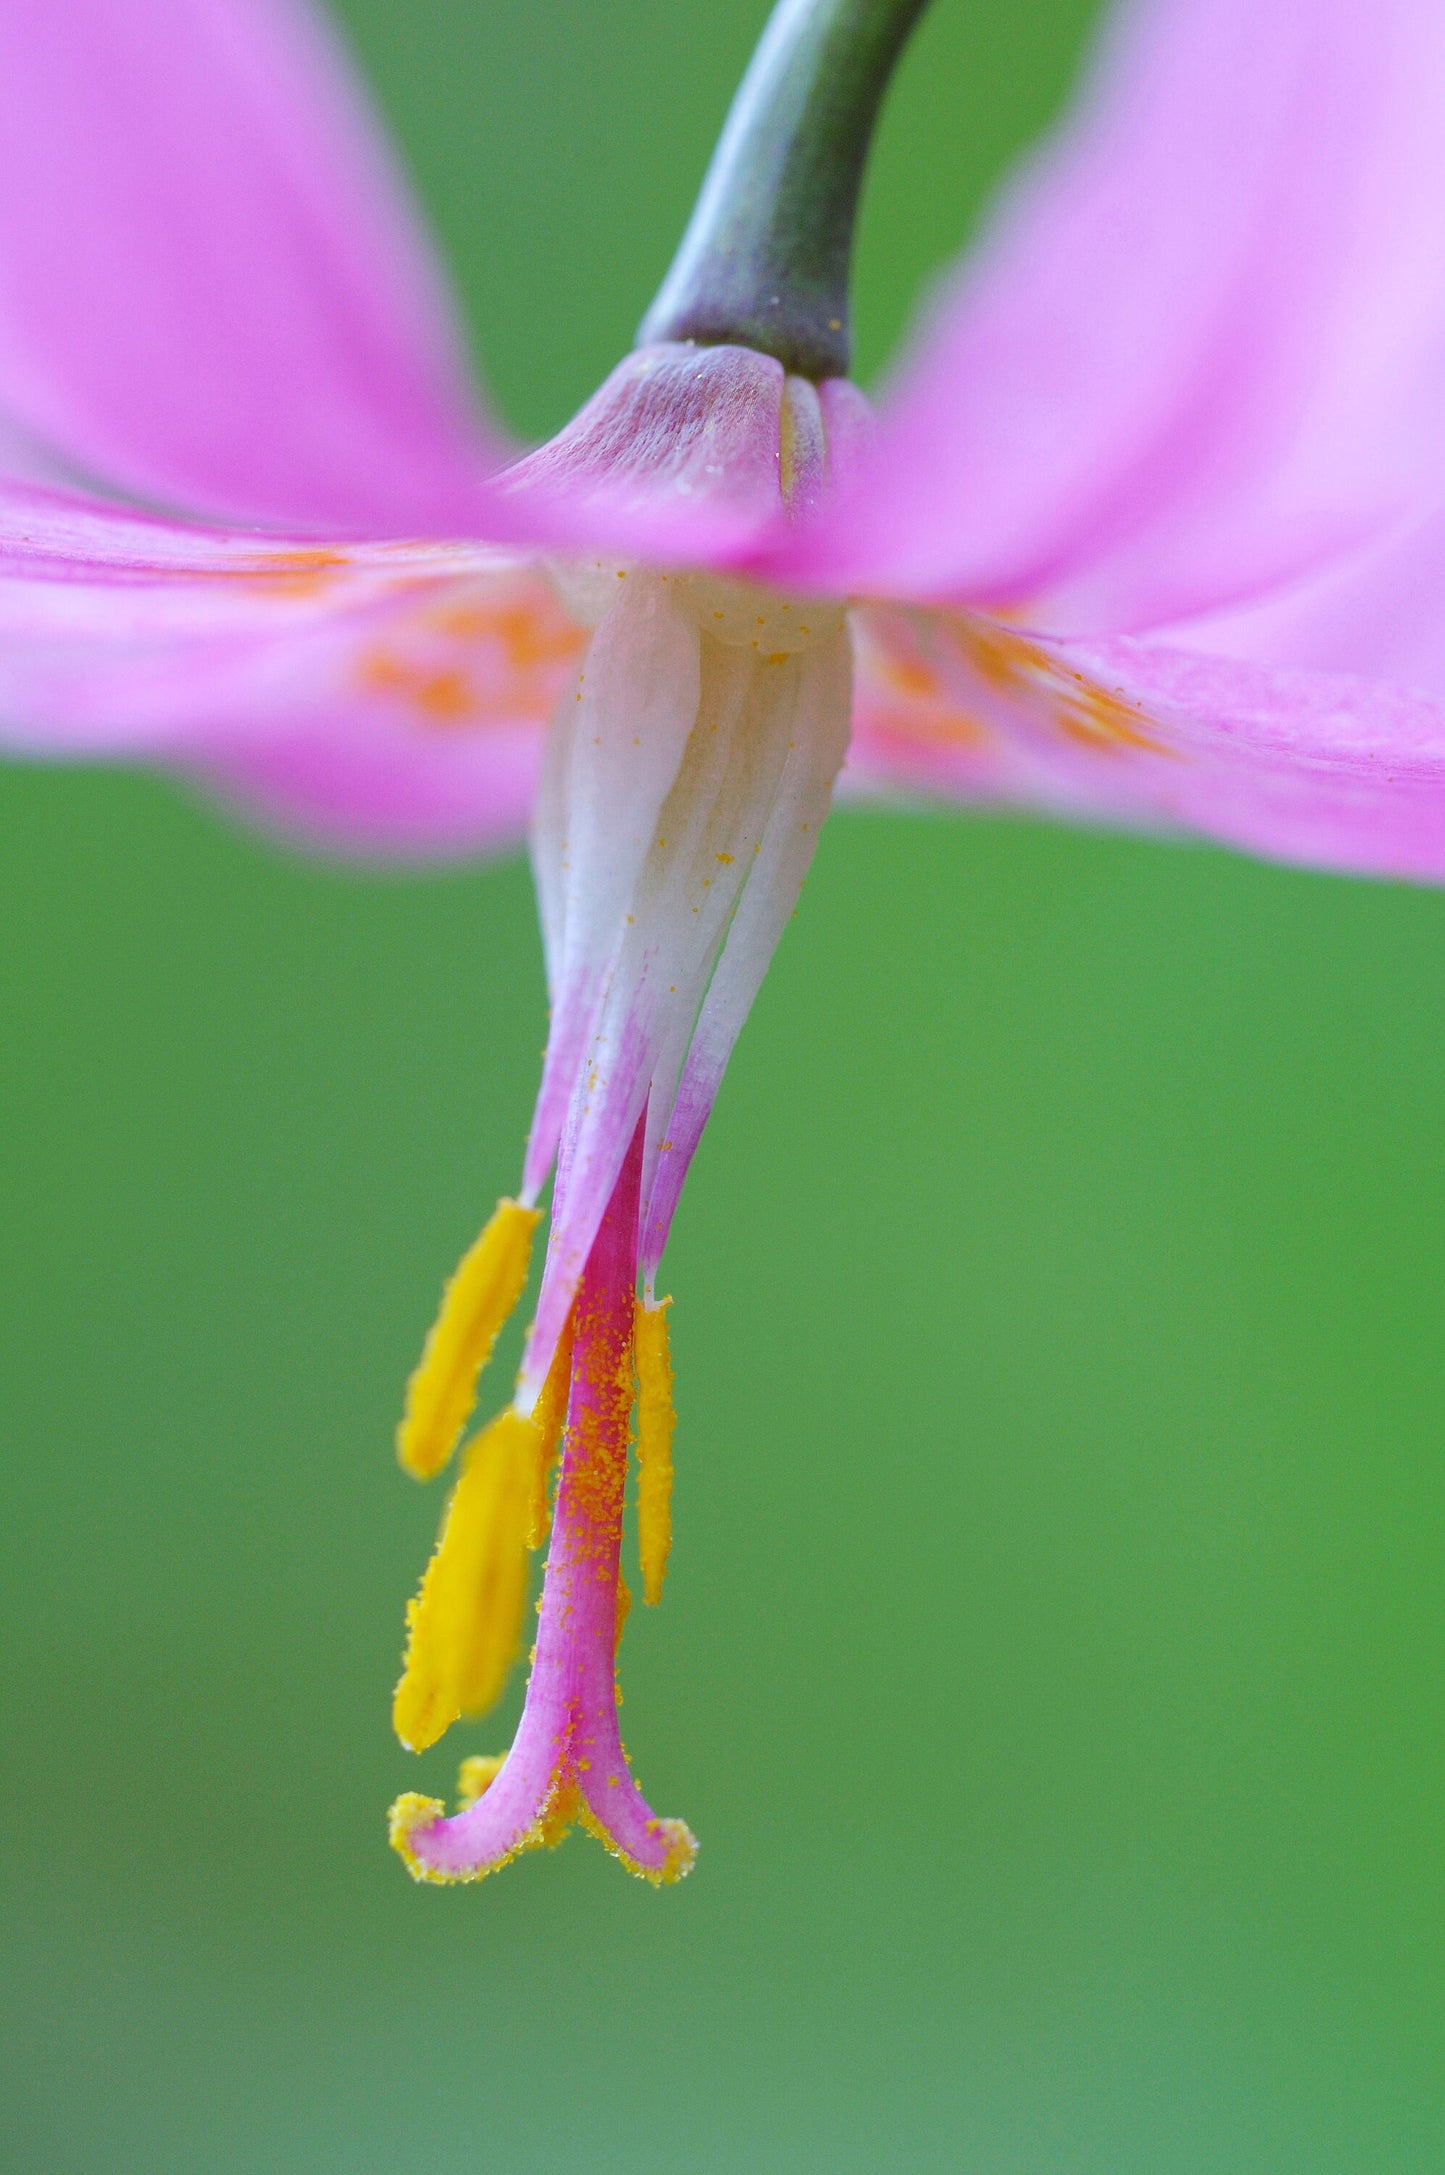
{"x":1096,"y":719}
{"x":1003,"y":659}
{"x":942,"y":724}
{"x":530,"y":633}
{"x":467,"y":622}
{"x":464,"y":659}
{"x":1076,"y":706}
{"x":909,"y":677}
{"x":445,"y":697}
{"x":294,"y":573}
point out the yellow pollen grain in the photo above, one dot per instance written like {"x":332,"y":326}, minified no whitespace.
{"x":725,"y":859}
{"x":476,"y":1303}
{"x":558,"y":1816}
{"x":656,"y":1420}
{"x":465,"y":1626}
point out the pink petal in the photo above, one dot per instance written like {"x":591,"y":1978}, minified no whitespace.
{"x":213,"y":286}
{"x":619,"y":744}
{"x":1322,"y":768}
{"x":676,"y":1116}
{"x":270,"y":665}
{"x":380,"y":696}
{"x":1201,"y":344}
{"x":667,"y":871}
{"x":676,"y":457}
{"x":356,"y":782}
{"x":1375,"y":611}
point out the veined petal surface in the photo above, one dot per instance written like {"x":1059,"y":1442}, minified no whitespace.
{"x":1321,"y":768}
{"x":214,"y":291}
{"x":1375,"y":610}
{"x":1201,"y":344}
{"x":374,"y":696}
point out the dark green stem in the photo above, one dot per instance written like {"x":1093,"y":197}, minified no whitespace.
{"x":765,"y":259}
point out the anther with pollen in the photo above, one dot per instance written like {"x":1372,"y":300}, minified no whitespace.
{"x":465,"y":1626}
{"x":656,"y":1420}
{"x":475,"y":1305}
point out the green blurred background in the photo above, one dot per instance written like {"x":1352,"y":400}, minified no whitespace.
{"x":1051,"y":1663}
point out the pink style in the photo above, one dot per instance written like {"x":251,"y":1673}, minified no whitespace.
{"x":1149,"y":530}
{"x":567,"y":1762}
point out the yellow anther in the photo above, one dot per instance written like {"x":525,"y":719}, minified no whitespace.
{"x":465,"y":1626}
{"x":487,"y":1285}
{"x":550,"y":1418}
{"x":476,"y":1776}
{"x":656,"y":1419}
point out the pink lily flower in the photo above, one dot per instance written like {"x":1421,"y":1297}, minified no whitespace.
{"x":1150,"y":530}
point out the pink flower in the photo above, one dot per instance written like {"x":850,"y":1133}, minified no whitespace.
{"x":1149,"y":531}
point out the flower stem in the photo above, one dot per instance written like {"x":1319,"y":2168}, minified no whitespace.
{"x":765,"y":259}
